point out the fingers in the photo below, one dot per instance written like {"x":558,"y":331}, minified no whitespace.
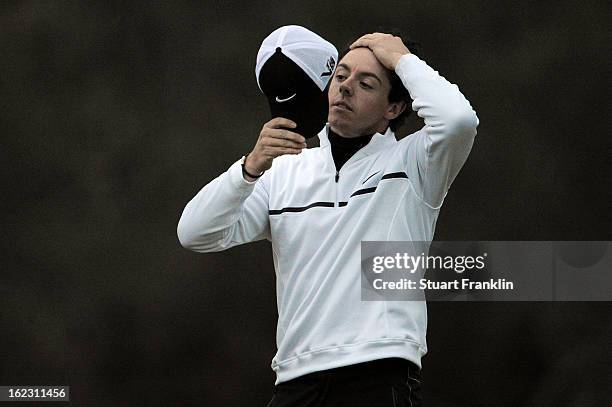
{"x":362,"y":41}
{"x":387,"y":48}
{"x":273,"y":142}
{"x":273,"y":130}
{"x":368,"y":39}
{"x":271,"y":152}
{"x":284,"y":134}
{"x":282,"y":151}
{"x":278,"y":141}
{"x":279,"y":122}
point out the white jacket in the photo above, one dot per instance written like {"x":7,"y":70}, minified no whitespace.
{"x":316,"y":220}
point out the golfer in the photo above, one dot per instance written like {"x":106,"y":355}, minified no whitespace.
{"x":316,"y":206}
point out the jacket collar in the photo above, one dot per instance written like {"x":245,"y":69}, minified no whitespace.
{"x":378,"y":142}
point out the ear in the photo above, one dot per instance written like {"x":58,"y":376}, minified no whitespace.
{"x":395,"y":109}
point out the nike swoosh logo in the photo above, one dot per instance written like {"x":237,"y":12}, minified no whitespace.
{"x":370,"y":177}
{"x":279,"y":100}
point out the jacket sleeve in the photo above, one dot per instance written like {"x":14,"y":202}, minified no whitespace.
{"x":435,"y":154}
{"x":226,"y":212}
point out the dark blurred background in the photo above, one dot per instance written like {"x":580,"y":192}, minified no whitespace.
{"x":114,"y":114}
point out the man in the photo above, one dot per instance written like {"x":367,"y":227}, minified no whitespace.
{"x":317,"y":205}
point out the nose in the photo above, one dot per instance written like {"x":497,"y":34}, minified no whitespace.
{"x":345,"y":89}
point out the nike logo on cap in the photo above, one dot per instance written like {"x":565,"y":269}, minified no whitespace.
{"x":279,"y":100}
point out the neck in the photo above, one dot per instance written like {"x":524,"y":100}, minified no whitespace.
{"x":380,"y":128}
{"x":344,"y":147}
{"x":338,"y":138}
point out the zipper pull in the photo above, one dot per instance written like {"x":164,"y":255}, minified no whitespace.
{"x":337,"y":175}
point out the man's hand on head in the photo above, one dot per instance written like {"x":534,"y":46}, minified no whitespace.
{"x":274,"y":140}
{"x":387,"y":48}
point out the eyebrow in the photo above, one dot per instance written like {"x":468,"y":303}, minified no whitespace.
{"x":370,"y":74}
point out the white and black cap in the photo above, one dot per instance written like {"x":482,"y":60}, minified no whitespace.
{"x":294,"y":66}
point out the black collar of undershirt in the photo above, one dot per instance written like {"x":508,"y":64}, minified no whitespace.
{"x":343,"y":148}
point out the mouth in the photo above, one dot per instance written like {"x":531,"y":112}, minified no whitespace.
{"x":342,"y":105}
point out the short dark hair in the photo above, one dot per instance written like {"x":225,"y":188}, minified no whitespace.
{"x":398,"y":92}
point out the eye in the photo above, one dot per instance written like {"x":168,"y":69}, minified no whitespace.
{"x":365,"y":85}
{"x":340,"y":77}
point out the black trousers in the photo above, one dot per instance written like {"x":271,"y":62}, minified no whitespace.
{"x":391,"y":382}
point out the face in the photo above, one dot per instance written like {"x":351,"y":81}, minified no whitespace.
{"x":358,"y":96}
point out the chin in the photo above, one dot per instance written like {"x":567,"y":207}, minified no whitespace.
{"x":344,"y":131}
{"x":337,"y":125}
{"x":337,"y":128}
